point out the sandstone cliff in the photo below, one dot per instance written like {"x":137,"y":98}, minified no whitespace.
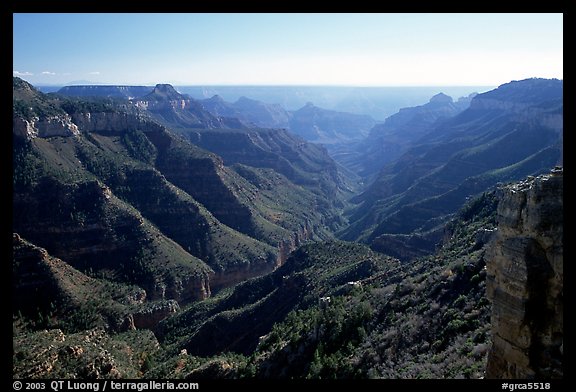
{"x":128,"y":197}
{"x":525,"y":281}
{"x":60,"y":125}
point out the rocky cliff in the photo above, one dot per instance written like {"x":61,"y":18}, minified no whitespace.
{"x":525,"y":281}
{"x":47,"y":127}
{"x":177,"y":110}
{"x":129,"y":198}
{"x":387,"y":141}
{"x":52,"y":293}
{"x":461,"y":157}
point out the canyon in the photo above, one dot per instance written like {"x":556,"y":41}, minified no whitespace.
{"x":218,"y":247}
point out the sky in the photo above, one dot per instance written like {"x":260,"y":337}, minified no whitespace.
{"x":287,"y":49}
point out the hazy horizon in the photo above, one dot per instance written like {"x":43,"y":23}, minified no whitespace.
{"x":179,"y":84}
{"x":340,"y":50}
{"x":376,"y":101}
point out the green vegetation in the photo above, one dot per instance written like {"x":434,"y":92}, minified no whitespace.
{"x":426,"y":319}
{"x":139,"y":147}
{"x":29,"y":103}
{"x":140,"y":167}
{"x":91,"y":105}
{"x":313,"y":271}
{"x":88,"y":354}
{"x":460,"y":158}
{"x":227,"y":265}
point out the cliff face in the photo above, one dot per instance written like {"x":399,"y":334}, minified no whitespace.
{"x":302,"y":163}
{"x":130,"y":200}
{"x":387,"y":141}
{"x":113,"y":122}
{"x":60,"y":125}
{"x":525,"y":281}
{"x":91,"y":229}
{"x":506,"y":135}
{"x":43,"y":284}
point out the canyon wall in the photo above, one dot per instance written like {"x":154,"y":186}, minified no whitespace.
{"x":525,"y":280}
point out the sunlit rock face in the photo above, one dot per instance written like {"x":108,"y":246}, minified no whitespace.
{"x":525,"y":281}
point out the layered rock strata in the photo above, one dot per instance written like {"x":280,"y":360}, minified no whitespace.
{"x":525,"y":281}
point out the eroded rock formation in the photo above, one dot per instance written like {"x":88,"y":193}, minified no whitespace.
{"x":49,"y":126}
{"x":525,"y":281}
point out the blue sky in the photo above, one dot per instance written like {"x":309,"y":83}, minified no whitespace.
{"x":288,"y":49}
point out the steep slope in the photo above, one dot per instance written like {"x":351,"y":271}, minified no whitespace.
{"x":327,"y":126}
{"x":339,"y":310}
{"x":123,"y":185}
{"x":240,"y":200}
{"x":45,"y":287}
{"x":49,"y":293}
{"x":86,"y":225}
{"x":180,"y":111}
{"x":249,"y":111}
{"x":314,"y":175}
{"x":250,"y":309}
{"x":305,"y":164}
{"x":93,"y":230}
{"x":494,"y":140}
{"x":388,"y":141}
{"x":525,"y":281}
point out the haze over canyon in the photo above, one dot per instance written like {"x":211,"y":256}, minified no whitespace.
{"x":162,"y":234}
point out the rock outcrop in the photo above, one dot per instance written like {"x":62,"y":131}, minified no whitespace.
{"x":113,"y":122}
{"x":156,"y":193}
{"x":60,"y":125}
{"x":90,"y":354}
{"x":525,"y":281}
{"x":462,"y":156}
{"x":387,"y":141}
{"x":149,"y":316}
{"x":91,"y":229}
